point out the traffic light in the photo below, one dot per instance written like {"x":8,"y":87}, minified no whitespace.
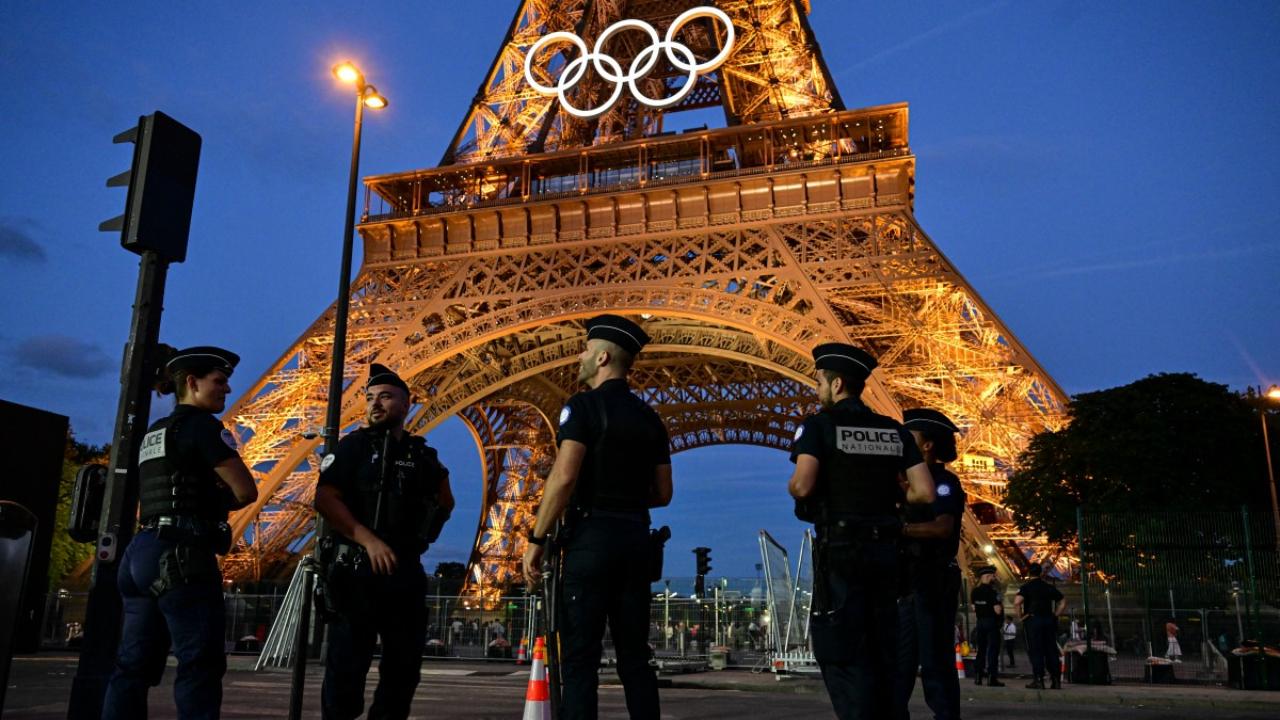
{"x":704,"y":560}
{"x":162,"y":187}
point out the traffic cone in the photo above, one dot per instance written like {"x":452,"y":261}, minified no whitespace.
{"x":522,"y":654}
{"x":959,"y":664}
{"x":537,"y":699}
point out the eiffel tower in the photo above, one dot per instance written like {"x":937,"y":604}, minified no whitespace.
{"x":739,"y":248}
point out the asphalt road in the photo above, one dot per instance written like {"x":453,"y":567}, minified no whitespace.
{"x":38,"y":689}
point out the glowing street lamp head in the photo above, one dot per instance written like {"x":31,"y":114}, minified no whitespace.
{"x":1273,"y":392}
{"x":348,"y":73}
{"x":372,"y":99}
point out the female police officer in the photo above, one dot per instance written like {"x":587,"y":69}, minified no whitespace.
{"x":190,"y":477}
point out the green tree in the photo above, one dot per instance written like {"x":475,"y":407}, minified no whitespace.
{"x":1167,"y":442}
{"x":452,"y":577}
{"x":65,"y":554}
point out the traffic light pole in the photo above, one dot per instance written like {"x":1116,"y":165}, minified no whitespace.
{"x":102,"y":624}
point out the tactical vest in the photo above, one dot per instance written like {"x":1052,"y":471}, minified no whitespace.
{"x":599,"y":489}
{"x":411,"y":473}
{"x":168,"y":485}
{"x":859,"y":475}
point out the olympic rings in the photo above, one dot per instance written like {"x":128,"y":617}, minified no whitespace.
{"x":609,"y":69}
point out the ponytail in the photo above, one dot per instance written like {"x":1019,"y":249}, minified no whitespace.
{"x":164,"y":383}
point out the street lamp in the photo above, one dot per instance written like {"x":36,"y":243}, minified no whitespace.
{"x":366,"y":95}
{"x":1273,"y":394}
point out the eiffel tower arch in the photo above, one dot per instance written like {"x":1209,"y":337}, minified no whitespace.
{"x":738,"y":248}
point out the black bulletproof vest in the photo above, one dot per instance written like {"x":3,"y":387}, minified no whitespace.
{"x":617,"y":474}
{"x":412,"y":473}
{"x":859,"y":475}
{"x":170,"y":480}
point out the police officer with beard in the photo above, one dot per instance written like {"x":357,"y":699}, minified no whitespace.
{"x":927,"y":613}
{"x":613,"y":464}
{"x":846,"y":481}
{"x":190,"y":477}
{"x":386,"y":496}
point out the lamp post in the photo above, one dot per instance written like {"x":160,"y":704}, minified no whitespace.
{"x":366,"y":94}
{"x":1273,"y":394}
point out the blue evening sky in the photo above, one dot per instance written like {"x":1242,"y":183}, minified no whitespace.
{"x":1104,"y":173}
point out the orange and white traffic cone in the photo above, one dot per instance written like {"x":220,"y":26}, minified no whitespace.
{"x":959,"y":664}
{"x":522,"y":654}
{"x":537,"y":699}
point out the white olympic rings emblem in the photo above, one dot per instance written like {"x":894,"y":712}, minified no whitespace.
{"x":610,"y":69}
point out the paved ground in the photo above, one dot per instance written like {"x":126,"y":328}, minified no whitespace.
{"x":38,"y":687}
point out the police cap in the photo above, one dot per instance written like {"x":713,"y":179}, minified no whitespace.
{"x":382,"y":375}
{"x":986,"y":570}
{"x":617,"y":330}
{"x":845,"y":359}
{"x":201,"y":360}
{"x":926,"y":420}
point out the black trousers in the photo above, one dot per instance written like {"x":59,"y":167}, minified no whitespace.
{"x":926,"y":633}
{"x":986,"y":638}
{"x":606,"y":568}
{"x":855,"y":628}
{"x":1042,"y":643}
{"x":395,"y":611}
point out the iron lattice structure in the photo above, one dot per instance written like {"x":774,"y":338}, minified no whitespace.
{"x":739,"y":248}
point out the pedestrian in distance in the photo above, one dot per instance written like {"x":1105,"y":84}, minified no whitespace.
{"x":385,"y":497}
{"x":848,"y":460}
{"x":930,"y":541}
{"x":1173,"y":650}
{"x":986,"y":634}
{"x":190,"y":477}
{"x":613,"y":464}
{"x":1009,"y":636}
{"x":1040,"y":605}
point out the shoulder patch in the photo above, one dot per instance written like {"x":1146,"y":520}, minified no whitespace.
{"x":799,"y":432}
{"x":944,"y":490}
{"x":326,"y":462}
{"x":229,"y":439}
{"x":564,"y":415}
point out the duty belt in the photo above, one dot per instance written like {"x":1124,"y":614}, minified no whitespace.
{"x":640,"y":516}
{"x":859,"y":531}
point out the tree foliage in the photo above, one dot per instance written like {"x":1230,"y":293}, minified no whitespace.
{"x":1167,"y":442}
{"x":453,"y":575}
{"x":65,"y":554}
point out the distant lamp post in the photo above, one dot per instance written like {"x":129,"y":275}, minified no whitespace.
{"x":1272,"y":394}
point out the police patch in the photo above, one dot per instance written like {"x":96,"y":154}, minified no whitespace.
{"x":944,"y":490}
{"x":564,"y":415}
{"x":228,"y":438}
{"x":799,"y":432}
{"x":869,"y":441}
{"x":326,"y":462}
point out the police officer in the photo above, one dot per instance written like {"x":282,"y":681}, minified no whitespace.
{"x":846,"y":481}
{"x":190,"y":477}
{"x":986,"y":635}
{"x":386,"y":496}
{"x":613,"y":464}
{"x":1040,"y":604}
{"x":927,"y":615}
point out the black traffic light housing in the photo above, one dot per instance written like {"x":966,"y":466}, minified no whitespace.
{"x":703,"y":554}
{"x":86,"y":502}
{"x":162,"y":187}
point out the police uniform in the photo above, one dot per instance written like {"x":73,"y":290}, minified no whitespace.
{"x":854,"y":623}
{"x":169,"y":577}
{"x":986,"y":634}
{"x":1039,"y":600}
{"x":390,"y":486}
{"x":606,"y":553}
{"x":927,"y":610}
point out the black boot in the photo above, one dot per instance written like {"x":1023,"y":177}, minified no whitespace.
{"x":1056,"y":684}
{"x":978,"y":680}
{"x":1037,"y":684}
{"x":995,"y":682}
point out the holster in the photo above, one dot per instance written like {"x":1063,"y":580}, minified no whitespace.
{"x":183,"y":564}
{"x":343,"y":567}
{"x":657,"y":545}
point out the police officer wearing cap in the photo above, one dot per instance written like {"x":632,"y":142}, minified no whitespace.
{"x":846,"y":481}
{"x":190,"y":478}
{"x":986,"y":634}
{"x":386,"y":497}
{"x":613,"y":464}
{"x":927,"y":613}
{"x":1040,"y":605}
